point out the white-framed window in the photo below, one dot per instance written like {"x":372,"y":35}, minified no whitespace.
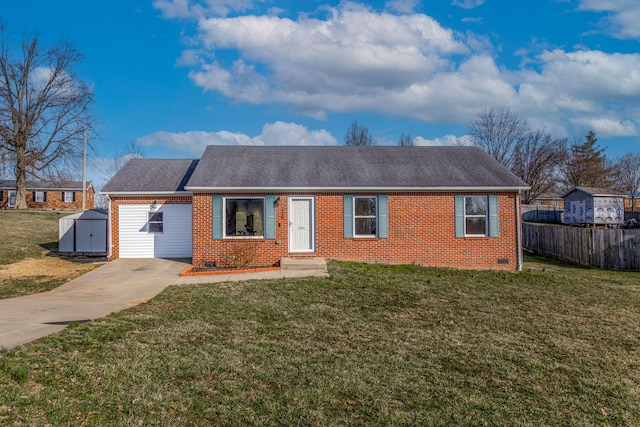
{"x":156,"y":222}
{"x":40,"y":196}
{"x":244,"y":217}
{"x":365,"y":221}
{"x":69,"y":196}
{"x":475,"y":215}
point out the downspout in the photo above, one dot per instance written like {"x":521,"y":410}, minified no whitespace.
{"x":109,"y":240}
{"x":519,"y":230}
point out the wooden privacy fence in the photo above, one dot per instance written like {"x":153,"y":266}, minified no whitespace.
{"x":610,"y":249}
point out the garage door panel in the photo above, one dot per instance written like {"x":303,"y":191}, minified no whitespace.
{"x":174,"y":242}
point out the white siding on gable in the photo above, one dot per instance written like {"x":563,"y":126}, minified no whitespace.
{"x":136,"y":242}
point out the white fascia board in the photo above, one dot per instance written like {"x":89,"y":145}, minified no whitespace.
{"x":352,"y":189}
{"x":146,"y":193}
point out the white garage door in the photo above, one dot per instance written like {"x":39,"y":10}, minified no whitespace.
{"x":162,"y":233}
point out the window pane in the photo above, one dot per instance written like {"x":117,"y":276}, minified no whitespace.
{"x":155,"y":216}
{"x":155,"y":222}
{"x":365,"y":226}
{"x":244,"y":217}
{"x":475,"y":205}
{"x":476,"y":226}
{"x":155,"y":227}
{"x":365,"y":206}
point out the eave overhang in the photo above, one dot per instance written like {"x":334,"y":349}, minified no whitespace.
{"x":474,"y":189}
{"x":146,"y":193}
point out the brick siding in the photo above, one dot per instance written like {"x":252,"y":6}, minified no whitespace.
{"x":421,"y":231}
{"x":54,"y":200}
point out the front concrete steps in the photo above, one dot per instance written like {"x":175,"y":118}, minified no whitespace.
{"x":303,"y":267}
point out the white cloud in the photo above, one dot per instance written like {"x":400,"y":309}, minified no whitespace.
{"x":200,"y":8}
{"x":607,"y":127}
{"x":402,"y":6}
{"x":592,"y":89}
{"x":449,"y":140}
{"x":277,"y":133}
{"x":622,"y":18}
{"x":467,"y":4}
{"x":355,"y":59}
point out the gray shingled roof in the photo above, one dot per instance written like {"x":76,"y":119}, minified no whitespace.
{"x":10,"y":184}
{"x":596,"y":191}
{"x":141,"y":175}
{"x":338,"y":167}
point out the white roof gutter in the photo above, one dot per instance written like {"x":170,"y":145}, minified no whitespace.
{"x":146,"y":193}
{"x":195,"y":189}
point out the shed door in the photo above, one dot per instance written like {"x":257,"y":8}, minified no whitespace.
{"x":167,"y":236}
{"x":91,"y":235}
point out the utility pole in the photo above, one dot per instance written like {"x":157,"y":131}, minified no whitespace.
{"x":84,"y":173}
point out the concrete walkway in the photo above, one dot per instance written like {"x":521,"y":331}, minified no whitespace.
{"x":112,"y":287}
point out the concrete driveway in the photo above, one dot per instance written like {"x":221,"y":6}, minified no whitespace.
{"x":115,"y":286}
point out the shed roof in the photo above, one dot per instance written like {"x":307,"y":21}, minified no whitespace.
{"x":228,"y":168}
{"x":88,"y":214}
{"x":595,"y":192}
{"x":10,"y":184}
{"x":141,"y":175}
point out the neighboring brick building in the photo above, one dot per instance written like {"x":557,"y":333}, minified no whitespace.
{"x":435,"y":206}
{"x":62,"y":195}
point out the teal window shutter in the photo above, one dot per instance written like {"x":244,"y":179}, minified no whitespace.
{"x":383,"y":216}
{"x":216,"y":215}
{"x":348,"y":216}
{"x":270,"y":215}
{"x":459,"y":209}
{"x":494,"y":230}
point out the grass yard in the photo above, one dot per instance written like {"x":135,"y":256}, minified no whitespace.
{"x":25,"y":268}
{"x":372,"y":345}
{"x":26,"y":234}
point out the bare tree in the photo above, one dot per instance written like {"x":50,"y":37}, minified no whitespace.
{"x":44,"y":110}
{"x":537,"y":159}
{"x":405,"y":140}
{"x":497,"y":131}
{"x":627,"y":172}
{"x":357,"y":135}
{"x":4,"y":159}
{"x":129,"y":151}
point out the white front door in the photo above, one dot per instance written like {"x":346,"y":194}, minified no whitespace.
{"x":12,"y":198}
{"x":301,"y":224}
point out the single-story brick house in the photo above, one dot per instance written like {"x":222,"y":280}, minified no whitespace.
{"x":59,"y":195}
{"x":434,"y":206}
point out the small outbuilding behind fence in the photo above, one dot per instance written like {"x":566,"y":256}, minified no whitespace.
{"x":593,"y":206}
{"x":83,"y":233}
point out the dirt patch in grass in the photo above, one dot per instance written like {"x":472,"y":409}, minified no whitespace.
{"x":34,"y":275}
{"x":55,"y":268}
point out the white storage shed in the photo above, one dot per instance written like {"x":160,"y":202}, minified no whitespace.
{"x":593,"y":206}
{"x":83,"y":233}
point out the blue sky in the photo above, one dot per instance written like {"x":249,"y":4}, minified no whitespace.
{"x":176,"y":75}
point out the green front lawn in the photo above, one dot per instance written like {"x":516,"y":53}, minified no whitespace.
{"x":27,"y":234}
{"x":372,"y":345}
